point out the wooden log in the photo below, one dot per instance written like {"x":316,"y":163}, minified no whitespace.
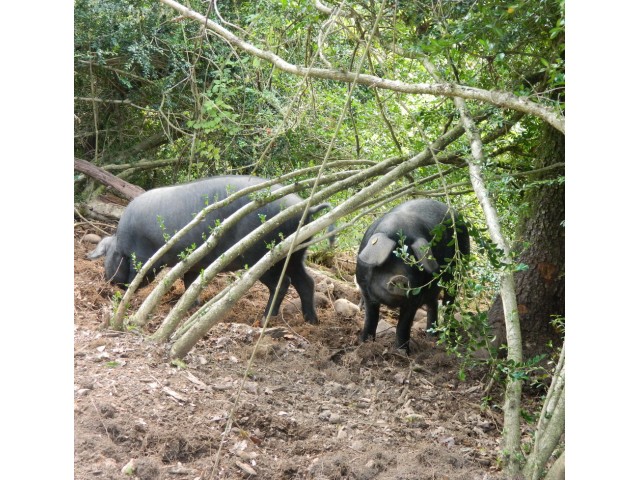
{"x":125,"y":188}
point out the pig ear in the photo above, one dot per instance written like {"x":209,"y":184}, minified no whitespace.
{"x":377,"y":250}
{"x":102,"y":249}
{"x":422,"y":251}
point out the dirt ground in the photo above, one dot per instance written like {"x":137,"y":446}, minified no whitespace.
{"x":314,"y":403}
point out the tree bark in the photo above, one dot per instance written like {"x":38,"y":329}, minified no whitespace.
{"x":125,"y":188}
{"x":556,"y":472}
{"x":550,"y":424}
{"x":540,"y":289}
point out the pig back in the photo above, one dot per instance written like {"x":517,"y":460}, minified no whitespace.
{"x":164,"y":211}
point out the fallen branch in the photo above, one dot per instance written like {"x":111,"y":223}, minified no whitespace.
{"x":125,"y":188}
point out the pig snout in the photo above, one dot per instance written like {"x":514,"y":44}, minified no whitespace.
{"x":398,"y":285}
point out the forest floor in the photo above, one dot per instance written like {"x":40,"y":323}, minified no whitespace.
{"x":314,"y":405}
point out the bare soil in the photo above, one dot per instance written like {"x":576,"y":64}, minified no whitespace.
{"x":313,"y":405}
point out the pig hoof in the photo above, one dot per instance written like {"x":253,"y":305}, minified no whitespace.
{"x":311,"y":321}
{"x":362,"y":338}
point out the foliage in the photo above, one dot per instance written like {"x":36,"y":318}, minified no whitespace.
{"x":132,"y":52}
{"x":236,"y":114}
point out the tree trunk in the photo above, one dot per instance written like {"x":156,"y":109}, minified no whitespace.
{"x":556,"y":472}
{"x":540,"y":288}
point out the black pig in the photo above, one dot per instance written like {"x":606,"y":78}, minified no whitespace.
{"x":166,"y":210}
{"x":421,"y":229}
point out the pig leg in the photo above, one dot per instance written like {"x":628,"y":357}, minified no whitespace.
{"x":126,"y":264}
{"x":371,"y":317}
{"x":431,"y":303}
{"x":305,"y":286}
{"x":131,"y":268}
{"x":447,"y":302}
{"x":270,"y":279}
{"x":447,"y":298}
{"x":449,"y":320}
{"x":403,"y":330}
{"x":189,"y":278}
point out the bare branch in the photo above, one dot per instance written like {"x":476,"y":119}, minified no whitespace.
{"x":513,"y":394}
{"x":102,"y":100}
{"x":322,"y":8}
